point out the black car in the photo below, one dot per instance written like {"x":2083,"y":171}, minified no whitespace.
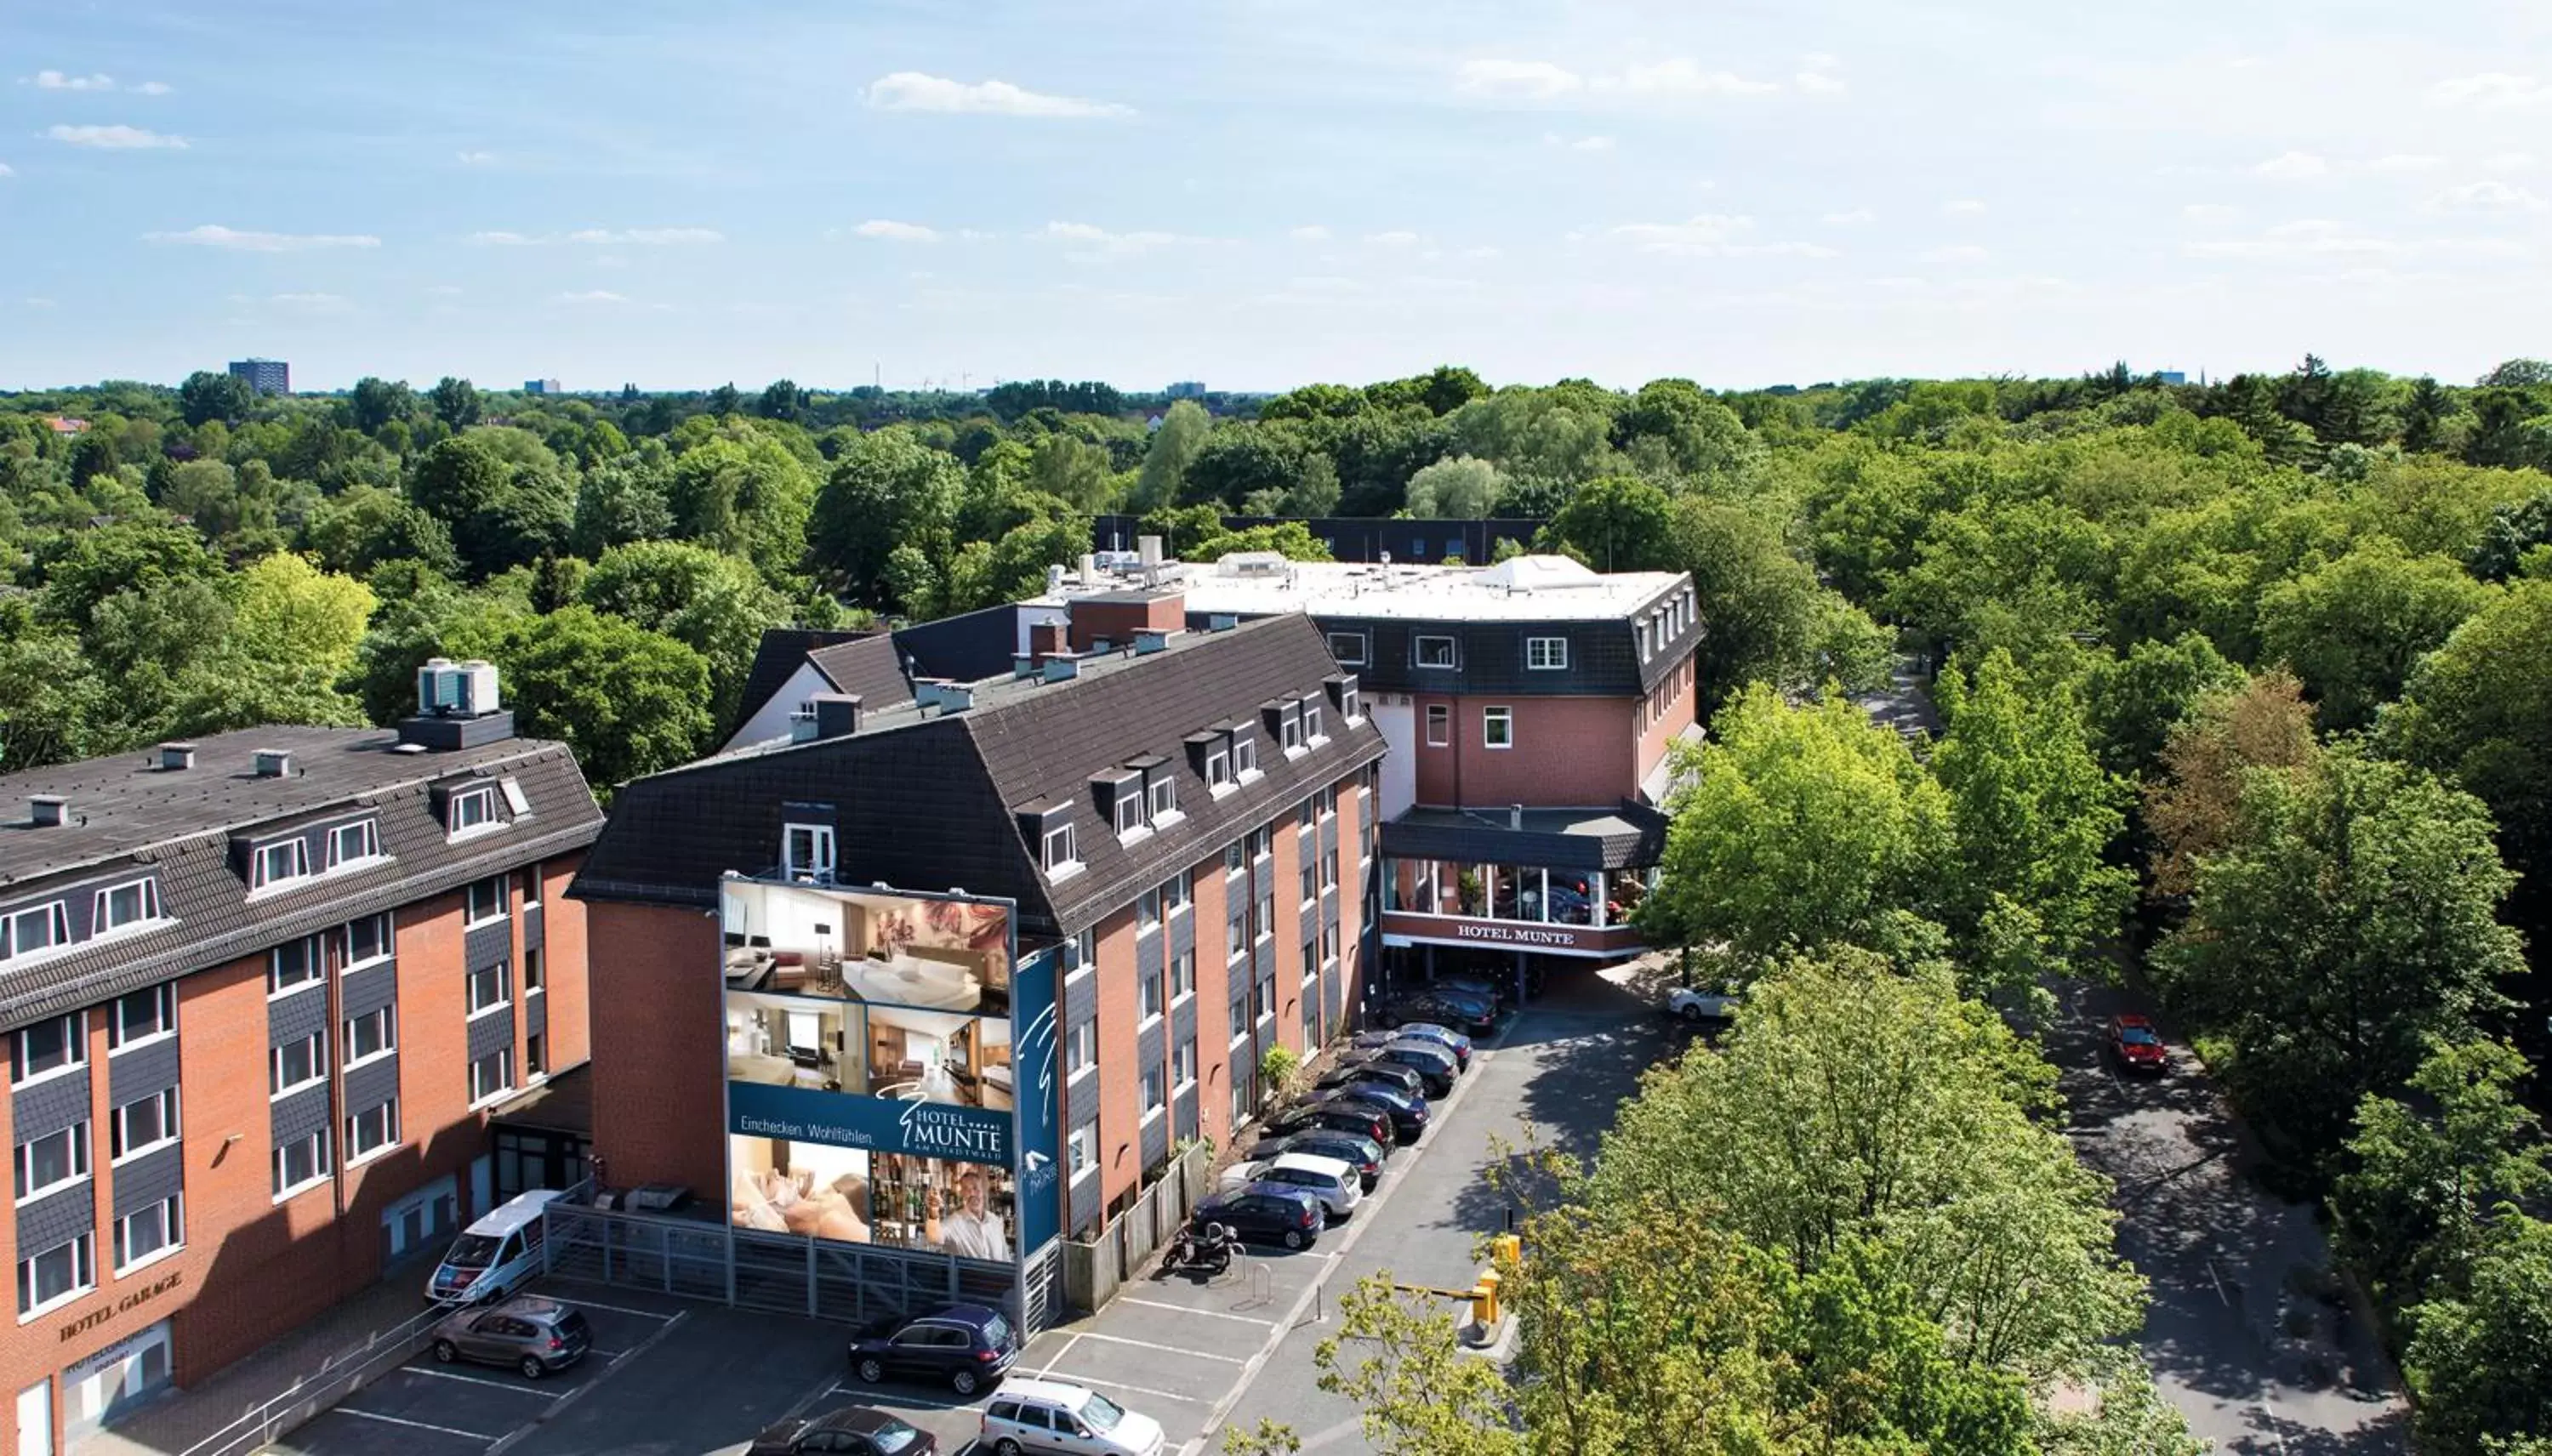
{"x":1477,"y":1017}
{"x":1362,"y":1153}
{"x":1354,"y":1070}
{"x":1364,"y":1119}
{"x":854,"y":1430}
{"x":1407,"y":1114}
{"x":1443,"y":1036}
{"x":966,"y":1346}
{"x":1492,"y":989}
{"x":1428,"y":1063}
{"x":1265,"y":1215}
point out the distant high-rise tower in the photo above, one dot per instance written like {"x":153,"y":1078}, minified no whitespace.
{"x":543,"y":386}
{"x":264,"y":376}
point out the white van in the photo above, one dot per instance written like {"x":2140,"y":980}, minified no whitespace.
{"x":498,"y":1254}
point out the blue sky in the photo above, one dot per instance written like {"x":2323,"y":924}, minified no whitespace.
{"x":1266,"y":192}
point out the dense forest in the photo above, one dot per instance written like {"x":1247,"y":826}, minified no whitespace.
{"x":2248,"y":685}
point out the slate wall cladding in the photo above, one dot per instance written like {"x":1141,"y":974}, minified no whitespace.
{"x":1156,"y":1141}
{"x":492,"y":1031}
{"x":1183,"y":1115}
{"x":368,"y":989}
{"x":56,"y":1217}
{"x":150,"y":1179}
{"x":50,"y":1105}
{"x":297,"y":1014}
{"x":486,"y":945}
{"x":536,"y":1013}
{"x":372,"y":1084}
{"x":139,"y":1071}
{"x":301,"y":1115}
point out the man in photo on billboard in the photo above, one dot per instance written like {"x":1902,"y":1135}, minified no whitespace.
{"x":970,"y":1231}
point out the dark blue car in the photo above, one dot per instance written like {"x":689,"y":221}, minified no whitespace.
{"x":1265,"y":1215}
{"x":1404,"y":1111}
{"x":966,"y":1347}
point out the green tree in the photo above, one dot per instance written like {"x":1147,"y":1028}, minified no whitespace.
{"x":363,"y":526}
{"x":1670,"y":428}
{"x":1462,"y":488}
{"x":454,"y":402}
{"x":1769,"y":620}
{"x":289,"y":611}
{"x":2352,"y":630}
{"x":1289,"y":539}
{"x":2192,"y":804}
{"x":2351,"y":922}
{"x":2428,"y":1175}
{"x":1184,"y":427}
{"x":1618,"y":524}
{"x":625,"y":500}
{"x":1236,"y":460}
{"x":207,"y":396}
{"x":1072,"y":470}
{"x":54,"y":703}
{"x":377,"y":402}
{"x":85,"y":569}
{"x":2480,"y":709}
{"x":2475,"y":1361}
{"x":1800,"y":828}
{"x":713,"y":603}
{"x":2132,"y":703}
{"x":628,"y":701}
{"x":886,"y":491}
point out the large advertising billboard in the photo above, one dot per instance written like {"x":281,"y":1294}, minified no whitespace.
{"x":873,"y":1085}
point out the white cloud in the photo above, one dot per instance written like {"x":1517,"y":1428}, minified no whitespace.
{"x":1395,"y":238}
{"x":1591,"y":144}
{"x":2210,"y":212}
{"x":2495,"y":90}
{"x":1684,"y":76}
{"x":1531,"y":80}
{"x":1851,"y":218}
{"x":891,"y":231}
{"x":474,"y":159}
{"x":2293,"y":166}
{"x":2324,"y":238}
{"x":53,"y":80}
{"x":152,"y":88}
{"x":501,"y":240}
{"x":34,"y":302}
{"x":2488,"y":197}
{"x":116,"y":138}
{"x":1815,"y":75}
{"x":213,"y":235}
{"x":1312,"y":233}
{"x":600,"y":238}
{"x":592,"y":295}
{"x":912,"y":90}
{"x":1709,"y":234}
{"x":1962,"y":207}
{"x":310,"y":303}
{"x":2403,"y":162}
{"x":7,"y":170}
{"x":1096,"y":243}
{"x":1956,"y":252}
{"x":2508,"y":161}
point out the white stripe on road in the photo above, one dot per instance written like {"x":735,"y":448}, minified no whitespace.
{"x":1118,"y":1384}
{"x":1058,"y":1359}
{"x":614,"y":1308}
{"x":449,"y":1431}
{"x":517,"y":1387}
{"x":1092,"y":1335}
{"x":1183,"y":1310}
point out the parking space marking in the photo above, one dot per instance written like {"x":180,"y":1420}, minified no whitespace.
{"x":620,"y":1308}
{"x":672,"y":1323}
{"x":900,"y":1397}
{"x":1183,"y":1310}
{"x":1118,"y":1384}
{"x":449,"y":1431}
{"x":1058,"y":1359}
{"x":1092,"y":1334}
{"x":516,"y":1387}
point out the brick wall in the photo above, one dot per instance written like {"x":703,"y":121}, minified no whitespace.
{"x":1569,"y":752}
{"x":1659,"y":729}
{"x":659,"y":1064}
{"x":1120,"y":1155}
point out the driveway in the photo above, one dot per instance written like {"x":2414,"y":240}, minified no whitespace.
{"x":2245,"y":1333}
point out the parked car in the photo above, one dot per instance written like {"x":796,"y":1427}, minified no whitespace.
{"x":1497,"y":990}
{"x":1407,"y":1113}
{"x":1334,"y":1182}
{"x":1703,"y":1007}
{"x":2137,"y":1046}
{"x":1362,"y":1153}
{"x":965,"y":1346}
{"x":531,"y":1334}
{"x":1266,"y":1216}
{"x":1433,"y":1067}
{"x":1365,"y":1120}
{"x":1052,"y":1416}
{"x":1443,"y":1036}
{"x":1477,"y":1017}
{"x":1354,"y":1069}
{"x":854,"y":1430}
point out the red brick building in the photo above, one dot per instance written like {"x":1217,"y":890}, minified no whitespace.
{"x":263,"y":993}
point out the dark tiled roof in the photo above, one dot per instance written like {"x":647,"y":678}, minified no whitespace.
{"x":782,"y":652}
{"x":1631,"y":836}
{"x":872,"y":667}
{"x":181,"y":825}
{"x":967,"y":647}
{"x":927,"y":801}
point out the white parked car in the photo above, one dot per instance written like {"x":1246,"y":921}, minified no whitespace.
{"x":1333,"y":1181}
{"x":1703,"y":1007}
{"x":1051,"y":1415}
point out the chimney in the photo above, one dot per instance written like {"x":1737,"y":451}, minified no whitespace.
{"x":1147,"y":549}
{"x":1062,"y":667}
{"x":49,"y":811}
{"x":1514,"y":818}
{"x":176,"y":756}
{"x":1053,"y":580}
{"x":1023,"y":664}
{"x":955,"y":697}
{"x":1222,"y":622}
{"x":1149,"y":640}
{"x":274,"y":763}
{"x":1088,"y":570}
{"x":1045,"y":639}
{"x":837,"y":714}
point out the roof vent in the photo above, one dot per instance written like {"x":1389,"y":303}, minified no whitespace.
{"x":837,"y":714}
{"x":1149,"y":640}
{"x":1514,"y":818}
{"x":176,"y":756}
{"x":955,"y":697}
{"x":1147,"y":549}
{"x":1053,"y":580}
{"x":274,"y":763}
{"x":1088,"y":565}
{"x":1062,"y":667}
{"x":1222,"y":622}
{"x":49,"y":811}
{"x":1022,"y":664}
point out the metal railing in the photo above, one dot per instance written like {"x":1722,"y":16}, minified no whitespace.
{"x":338,"y":1375}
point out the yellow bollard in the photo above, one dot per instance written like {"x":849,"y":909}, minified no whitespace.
{"x":1484,"y":1299}
{"x":1507,"y":1249}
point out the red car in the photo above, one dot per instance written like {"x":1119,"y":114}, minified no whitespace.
{"x":2137,"y":1046}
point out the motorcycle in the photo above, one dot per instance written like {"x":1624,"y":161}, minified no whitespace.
{"x":1208,"y":1250}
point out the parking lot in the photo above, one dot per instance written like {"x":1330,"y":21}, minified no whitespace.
{"x":674,"y":1378}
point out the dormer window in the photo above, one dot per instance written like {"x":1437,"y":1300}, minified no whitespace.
{"x":471,"y":810}
{"x":1061,"y":852}
{"x":1130,"y":809}
{"x":806,"y":849}
{"x":1545,"y":654}
{"x":1244,"y":755}
{"x":280,"y":861}
{"x":1311,"y":723}
{"x":1342,"y":696}
{"x":354,"y":843}
{"x":34,"y":929}
{"x":1218,"y":769}
{"x":1164,"y":791}
{"x":1431,"y":652}
{"x":122,"y":906}
{"x":1289,"y":727}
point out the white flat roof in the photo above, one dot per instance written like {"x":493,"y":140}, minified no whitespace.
{"x":1530,"y":588}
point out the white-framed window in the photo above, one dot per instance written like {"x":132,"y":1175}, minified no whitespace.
{"x":142,"y":1124}
{"x":369,"y":940}
{"x":1182,"y":977}
{"x":1347,"y":648}
{"x":1217,"y":770}
{"x":1265,"y":1004}
{"x":1329,"y":945}
{"x":1081,"y":1049}
{"x":1545,"y":654}
{"x":1327,"y":799}
{"x":371,"y":1035}
{"x":533,"y":977}
{"x":1310,"y":959}
{"x":531,"y":891}
{"x":1154,"y":1091}
{"x":1439,"y":724}
{"x":470,"y":810}
{"x":491,"y":1076}
{"x":1239,"y":1021}
{"x":1062,"y":849}
{"x":53,"y":1162}
{"x":124,"y":907}
{"x":281,"y":862}
{"x":1307,"y":889}
{"x":1496,"y":727}
{"x":1081,"y":1150}
{"x":1153,"y":998}
{"x":296,"y":965}
{"x":1235,"y":857}
{"x":1290,"y":727}
{"x":536,"y":1055}
{"x":299,"y":1163}
{"x":148,"y":1234}
{"x":371,"y":1131}
{"x":1431,"y":652}
{"x":490,"y":989}
{"x":1183,"y":1064}
{"x":35,"y":929}
{"x":1350,"y":703}
{"x":1330,"y":869}
{"x":485,"y":901}
{"x":1147,"y":910}
{"x":57,"y":1276}
{"x":1175,"y":895}
{"x":1082,"y":953}
{"x":48,"y":1047}
{"x":1164,"y":791}
{"x":1311,"y":723}
{"x":1244,"y":755}
{"x":1236,"y":935}
{"x":141,"y":1017}
{"x":1262,"y":841}
{"x":1266,"y":913}
{"x":807,"y":849}
{"x":1128,"y":808}
{"x":297,"y":1064}
{"x":352,"y":844}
